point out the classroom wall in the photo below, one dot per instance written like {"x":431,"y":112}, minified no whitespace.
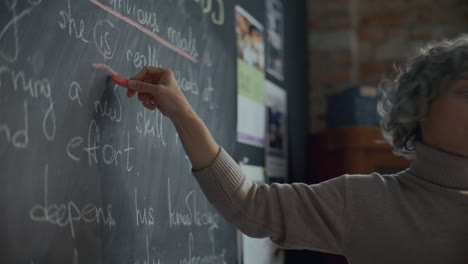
{"x":358,"y":41}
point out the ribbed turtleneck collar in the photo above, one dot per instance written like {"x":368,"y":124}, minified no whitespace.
{"x":439,"y":167}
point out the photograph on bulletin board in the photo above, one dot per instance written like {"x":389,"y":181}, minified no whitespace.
{"x":250,"y":79}
{"x":274,"y":48}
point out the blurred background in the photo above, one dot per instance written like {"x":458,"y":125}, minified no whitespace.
{"x":359,"y":41}
{"x":352,"y":45}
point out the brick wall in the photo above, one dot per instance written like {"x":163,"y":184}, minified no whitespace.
{"x":359,"y":41}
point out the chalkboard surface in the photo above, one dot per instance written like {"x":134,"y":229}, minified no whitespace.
{"x":89,"y":176}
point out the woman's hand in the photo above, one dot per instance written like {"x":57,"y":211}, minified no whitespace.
{"x":158,"y":88}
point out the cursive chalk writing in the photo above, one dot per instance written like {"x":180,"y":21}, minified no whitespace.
{"x":147,"y":260}
{"x":191,"y":215}
{"x":95,"y":151}
{"x":67,"y":214}
{"x":207,"y":259}
{"x":185,"y":43}
{"x":143,"y":218}
{"x":187,"y":84}
{"x":103,"y":108}
{"x":74,"y":92}
{"x":101,"y":32}
{"x":143,"y":16}
{"x":67,"y":19}
{"x":34,"y":88}
{"x":152,"y":126}
{"x":20,"y":138}
{"x":139,"y":59}
{"x":13,"y":26}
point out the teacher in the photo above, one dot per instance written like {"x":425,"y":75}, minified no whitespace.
{"x":419,"y":215}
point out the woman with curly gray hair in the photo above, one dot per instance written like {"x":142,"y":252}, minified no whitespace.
{"x":418,"y":215}
{"x":428,"y":99}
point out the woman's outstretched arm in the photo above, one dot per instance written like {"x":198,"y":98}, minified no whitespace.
{"x":296,"y":216}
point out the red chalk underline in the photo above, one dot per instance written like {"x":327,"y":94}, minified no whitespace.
{"x":145,"y":30}
{"x":105,"y":67}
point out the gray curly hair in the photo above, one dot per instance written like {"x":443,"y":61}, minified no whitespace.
{"x":406,"y":99}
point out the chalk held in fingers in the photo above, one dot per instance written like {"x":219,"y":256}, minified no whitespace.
{"x":120,"y":81}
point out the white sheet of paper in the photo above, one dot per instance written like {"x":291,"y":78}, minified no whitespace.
{"x":250,"y":79}
{"x":250,"y":122}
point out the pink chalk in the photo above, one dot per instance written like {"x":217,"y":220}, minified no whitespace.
{"x":120,"y":80}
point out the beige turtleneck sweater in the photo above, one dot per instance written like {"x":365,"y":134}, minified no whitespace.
{"x":419,"y":215}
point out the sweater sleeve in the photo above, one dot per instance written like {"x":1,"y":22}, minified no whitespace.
{"x":295,"y":216}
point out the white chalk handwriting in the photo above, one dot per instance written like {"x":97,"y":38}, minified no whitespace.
{"x":187,"y":84}
{"x":13,"y":25}
{"x":74,"y":92}
{"x":151,"y":124}
{"x":143,"y":16}
{"x":68,"y":20}
{"x":98,"y":152}
{"x":185,"y":43}
{"x":105,"y":46}
{"x":140,"y":59}
{"x":190,"y":215}
{"x":34,"y":88}
{"x":20,"y":137}
{"x":143,"y":216}
{"x":104,"y":108}
{"x":69,"y":214}
{"x":148,"y":260}
{"x":208,"y":259}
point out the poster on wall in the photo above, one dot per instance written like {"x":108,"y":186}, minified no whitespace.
{"x":250,"y":79}
{"x":276,"y":149}
{"x":274,"y":48}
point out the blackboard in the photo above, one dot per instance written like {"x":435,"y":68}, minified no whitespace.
{"x":89,"y":176}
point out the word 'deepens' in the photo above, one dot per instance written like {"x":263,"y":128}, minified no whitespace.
{"x":66,"y":214}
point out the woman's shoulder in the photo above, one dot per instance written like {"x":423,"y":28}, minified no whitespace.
{"x":374,"y":177}
{"x":373,"y":181}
